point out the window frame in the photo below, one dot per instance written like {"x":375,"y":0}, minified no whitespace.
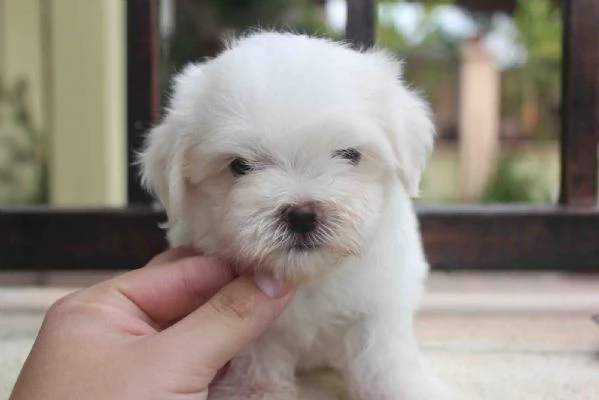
{"x":563,"y":236}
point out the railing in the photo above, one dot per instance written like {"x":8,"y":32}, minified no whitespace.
{"x":563,"y":236}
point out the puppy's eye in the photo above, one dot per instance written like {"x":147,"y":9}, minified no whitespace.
{"x":240,"y":166}
{"x":352,"y":155}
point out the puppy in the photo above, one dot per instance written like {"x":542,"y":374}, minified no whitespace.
{"x":297,"y":157}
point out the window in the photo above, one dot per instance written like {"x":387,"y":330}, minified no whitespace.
{"x":556,"y":236}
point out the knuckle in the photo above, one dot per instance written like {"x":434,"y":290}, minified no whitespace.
{"x":60,"y":306}
{"x":233,"y":305}
{"x":62,"y":309}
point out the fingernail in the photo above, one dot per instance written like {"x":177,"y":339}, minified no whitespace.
{"x":271,"y":287}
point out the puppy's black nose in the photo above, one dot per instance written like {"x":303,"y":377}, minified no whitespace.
{"x":301,"y":218}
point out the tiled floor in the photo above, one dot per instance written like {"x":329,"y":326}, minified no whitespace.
{"x":526,"y":336}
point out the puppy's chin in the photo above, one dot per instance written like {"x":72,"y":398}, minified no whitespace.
{"x":297,"y":263}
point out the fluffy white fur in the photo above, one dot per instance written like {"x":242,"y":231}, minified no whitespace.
{"x":287,"y":103}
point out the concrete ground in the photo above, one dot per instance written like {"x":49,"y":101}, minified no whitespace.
{"x":492,"y":336}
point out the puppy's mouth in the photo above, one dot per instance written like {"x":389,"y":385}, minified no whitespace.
{"x":304,"y":243}
{"x":305,"y":247}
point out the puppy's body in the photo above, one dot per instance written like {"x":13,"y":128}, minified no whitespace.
{"x":277,"y":125}
{"x":320,"y":332}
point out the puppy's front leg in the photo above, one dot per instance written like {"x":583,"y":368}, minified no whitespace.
{"x":265,"y":370}
{"x":384,"y":363}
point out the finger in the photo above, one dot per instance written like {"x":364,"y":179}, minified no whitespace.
{"x":214,"y":333}
{"x":169,"y":292}
{"x":163,"y":293}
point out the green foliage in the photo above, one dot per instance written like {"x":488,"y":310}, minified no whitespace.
{"x":432,"y":61}
{"x":23,"y":158}
{"x":434,"y":40}
{"x":426,"y":3}
{"x":508,"y":186}
{"x":242,"y":14}
{"x":537,"y":82}
{"x":200,"y":26}
{"x":539,"y":25}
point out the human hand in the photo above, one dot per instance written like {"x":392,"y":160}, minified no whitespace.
{"x":160,"y":332}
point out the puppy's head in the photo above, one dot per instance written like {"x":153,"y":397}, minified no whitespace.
{"x":279,"y":153}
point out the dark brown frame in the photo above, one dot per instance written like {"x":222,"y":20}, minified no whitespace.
{"x":143,"y":94}
{"x":564,"y":236}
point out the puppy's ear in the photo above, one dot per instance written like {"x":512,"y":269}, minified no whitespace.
{"x":161,"y":166}
{"x":164,"y":156}
{"x":411,"y":133}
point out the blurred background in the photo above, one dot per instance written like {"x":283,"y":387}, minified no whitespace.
{"x":491,"y":70}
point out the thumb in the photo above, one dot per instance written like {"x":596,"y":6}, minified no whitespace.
{"x":209,"y":337}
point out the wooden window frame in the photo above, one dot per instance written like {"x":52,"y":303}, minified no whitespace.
{"x":564,"y":236}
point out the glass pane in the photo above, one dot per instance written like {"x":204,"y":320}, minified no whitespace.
{"x":62,"y":103}
{"x":54,"y":121}
{"x":23,"y":168}
{"x":493,"y":79}
{"x":193,"y":30}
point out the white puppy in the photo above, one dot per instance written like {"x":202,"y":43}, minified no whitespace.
{"x":297,"y":157}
